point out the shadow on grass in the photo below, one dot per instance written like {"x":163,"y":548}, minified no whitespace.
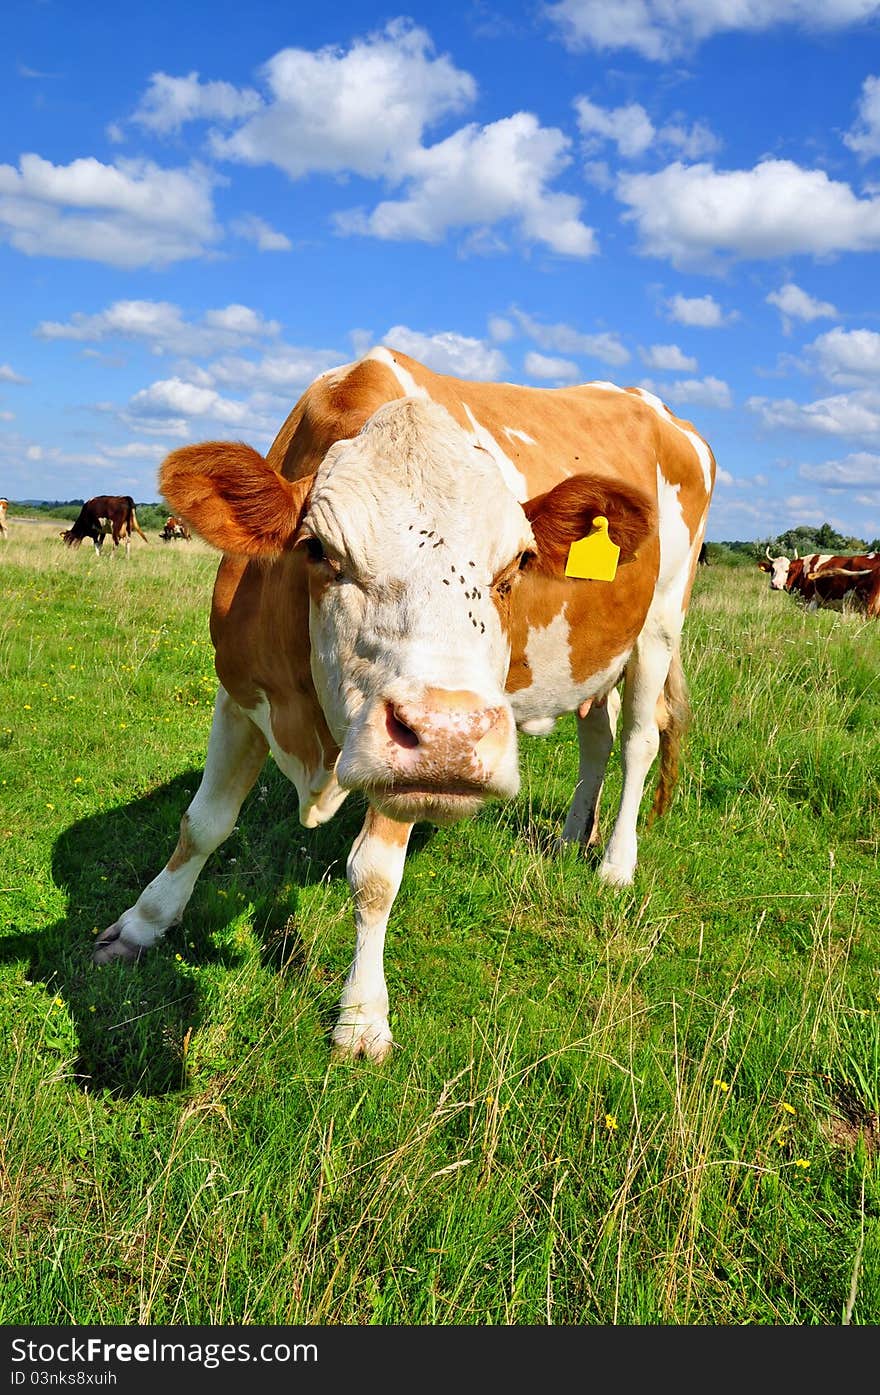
{"x":133,"y":1021}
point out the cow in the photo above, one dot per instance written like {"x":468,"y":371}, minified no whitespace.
{"x":175,"y":529}
{"x":4,"y":528}
{"x":825,"y":580}
{"x":703,"y":558}
{"x":115,"y":509}
{"x":420,"y":567}
{"x":822,"y":579}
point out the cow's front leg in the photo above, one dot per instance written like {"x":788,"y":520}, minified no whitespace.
{"x":595,"y":738}
{"x":236,"y":751}
{"x":374,"y":868}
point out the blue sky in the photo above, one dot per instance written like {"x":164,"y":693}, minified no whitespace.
{"x":204,"y":205}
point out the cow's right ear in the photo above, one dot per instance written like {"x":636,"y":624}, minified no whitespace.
{"x":765,"y":566}
{"x":229,"y":494}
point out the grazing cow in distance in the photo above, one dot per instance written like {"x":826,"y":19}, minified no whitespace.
{"x":420,"y":567}
{"x":703,"y":559}
{"x":4,"y":528}
{"x":115,"y":509}
{"x":175,"y":529}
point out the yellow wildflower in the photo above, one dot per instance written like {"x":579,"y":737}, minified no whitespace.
{"x":610,"y":1123}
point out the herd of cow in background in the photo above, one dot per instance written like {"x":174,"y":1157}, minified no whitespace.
{"x":819,"y":579}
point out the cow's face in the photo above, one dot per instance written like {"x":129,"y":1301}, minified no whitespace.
{"x":413,"y":544}
{"x":413,"y":550}
{"x":778,"y":570}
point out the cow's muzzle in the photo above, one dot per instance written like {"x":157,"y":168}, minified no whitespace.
{"x":436,"y":756}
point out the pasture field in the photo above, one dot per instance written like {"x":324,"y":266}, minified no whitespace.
{"x":654,"y":1106}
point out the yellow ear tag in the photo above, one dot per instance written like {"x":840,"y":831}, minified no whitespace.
{"x":594,"y":558}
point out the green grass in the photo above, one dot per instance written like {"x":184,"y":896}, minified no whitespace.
{"x":649,"y":1106}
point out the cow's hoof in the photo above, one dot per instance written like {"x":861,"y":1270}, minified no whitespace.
{"x":371,"y":1040}
{"x":613,"y":874}
{"x":110,"y":945}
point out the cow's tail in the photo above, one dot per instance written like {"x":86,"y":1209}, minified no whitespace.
{"x":136,"y":526}
{"x":672,"y":718}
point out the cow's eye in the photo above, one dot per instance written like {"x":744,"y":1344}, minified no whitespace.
{"x":524,"y":560}
{"x":315,"y":550}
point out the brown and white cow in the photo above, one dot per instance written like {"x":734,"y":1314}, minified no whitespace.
{"x":393,"y":604}
{"x":4,"y":527}
{"x":115,"y":509}
{"x":175,"y":530}
{"x":823,"y":579}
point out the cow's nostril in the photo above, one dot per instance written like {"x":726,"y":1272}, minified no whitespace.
{"x":400,"y":733}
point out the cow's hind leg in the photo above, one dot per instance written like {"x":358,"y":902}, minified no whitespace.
{"x":236,"y":752}
{"x":595,"y":739}
{"x":375,"y":868}
{"x":654,"y":665}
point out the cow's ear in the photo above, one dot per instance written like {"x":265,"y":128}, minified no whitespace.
{"x":226,"y":491}
{"x":765,"y":566}
{"x":566,"y":512}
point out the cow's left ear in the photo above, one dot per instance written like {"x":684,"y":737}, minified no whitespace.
{"x":229,"y":494}
{"x":566,"y":512}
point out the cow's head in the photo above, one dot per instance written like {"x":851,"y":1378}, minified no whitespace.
{"x":412,"y":547}
{"x":777,"y":567}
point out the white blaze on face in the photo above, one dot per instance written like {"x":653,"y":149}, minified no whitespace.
{"x":778,"y":573}
{"x":417,"y":525}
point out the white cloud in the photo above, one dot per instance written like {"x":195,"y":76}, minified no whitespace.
{"x":9,"y":375}
{"x":605,"y":346}
{"x":171,"y":405}
{"x":668,"y":358}
{"x":162,"y":326}
{"x":500,"y":329}
{"x":855,"y":415}
{"x":362,"y":110}
{"x":852,"y":472}
{"x":481,"y":175}
{"x":848,"y":357}
{"x":447,"y":352}
{"x":696,"y":392}
{"x":633,"y":132}
{"x":796,"y":304}
{"x":663,"y":29}
{"x":169,"y":102}
{"x":701,"y":311}
{"x":285,"y":371}
{"x":864,"y":138}
{"x":365,"y":110}
{"x":547,"y":368}
{"x":694,"y":215}
{"x":256,"y":230}
{"x":629,"y":127}
{"x":127,"y":215}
